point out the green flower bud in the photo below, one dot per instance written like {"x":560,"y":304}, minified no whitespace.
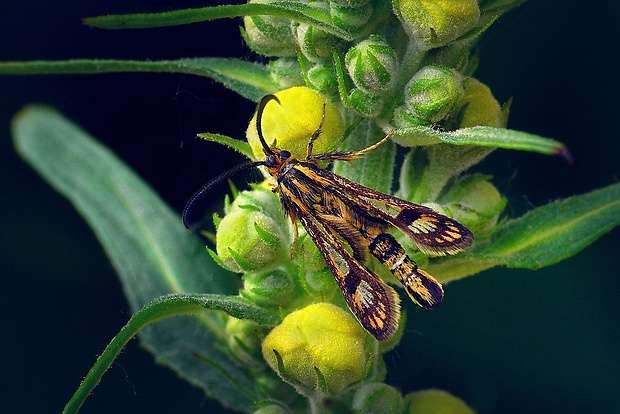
{"x":350,"y":17}
{"x":316,"y":278}
{"x":435,"y":402}
{"x":286,"y":72}
{"x":402,"y":118}
{"x":269,"y":288}
{"x":479,"y":107}
{"x":268,"y":383}
{"x":378,"y":398}
{"x":474,"y":202}
{"x":350,"y":3}
{"x":318,"y":348}
{"x":434,"y":93}
{"x":271,"y":409}
{"x":367,"y":105}
{"x":294,"y":120}
{"x":315,"y":44}
{"x":372,"y":65}
{"x":434,"y":23}
{"x":322,"y":78}
{"x":244,"y":342}
{"x":254,"y":235}
{"x":269,"y":35}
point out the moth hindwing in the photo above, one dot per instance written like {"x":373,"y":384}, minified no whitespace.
{"x":349,"y":223}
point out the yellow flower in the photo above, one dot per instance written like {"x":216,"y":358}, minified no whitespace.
{"x":434,"y":23}
{"x":479,"y":106}
{"x":291,"y":123}
{"x":435,"y":402}
{"x":318,"y":348}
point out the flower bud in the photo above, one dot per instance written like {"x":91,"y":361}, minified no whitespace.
{"x":316,"y":278}
{"x":403,"y":118}
{"x":254,"y":235}
{"x":350,"y":3}
{"x":372,"y":65}
{"x":479,"y":107}
{"x":271,"y":409}
{"x":318,"y":348}
{"x":314,"y":43}
{"x":435,"y":402}
{"x":434,"y":23}
{"x":269,"y":35}
{"x":434,"y":93}
{"x":268,"y":383}
{"x":272,"y":288}
{"x":378,"y":398}
{"x":474,"y":202}
{"x":350,"y":17}
{"x":367,"y":105}
{"x":322,"y":78}
{"x":294,"y":120}
{"x":244,"y":342}
{"x":286,"y":72}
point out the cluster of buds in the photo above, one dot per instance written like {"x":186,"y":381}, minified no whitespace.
{"x":399,"y":64}
{"x":319,"y":347}
{"x":402,"y":65}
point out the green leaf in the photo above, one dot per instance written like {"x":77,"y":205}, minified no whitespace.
{"x":160,"y":308}
{"x":248,"y":79}
{"x":293,"y":10}
{"x":145,"y":240}
{"x":496,"y":7}
{"x":541,"y":237}
{"x":551,"y":233}
{"x":482,"y":136}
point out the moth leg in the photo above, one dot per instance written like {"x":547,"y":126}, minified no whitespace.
{"x":315,"y":135}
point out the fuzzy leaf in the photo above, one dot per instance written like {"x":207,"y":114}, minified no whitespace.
{"x":160,"y":308}
{"x":481,"y":136}
{"x":553,"y":232}
{"x":145,"y":240}
{"x":240,"y":146}
{"x":293,"y":10}
{"x":541,"y":237}
{"x":248,"y":79}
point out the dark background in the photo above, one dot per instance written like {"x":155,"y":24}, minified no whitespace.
{"x":506,"y":341}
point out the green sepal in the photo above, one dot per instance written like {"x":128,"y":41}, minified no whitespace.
{"x":240,"y":146}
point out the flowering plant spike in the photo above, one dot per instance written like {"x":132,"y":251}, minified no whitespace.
{"x":300,"y":312}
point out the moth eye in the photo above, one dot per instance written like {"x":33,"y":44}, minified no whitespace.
{"x":284,"y":155}
{"x":271,"y":161}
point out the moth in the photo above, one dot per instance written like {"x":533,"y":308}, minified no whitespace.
{"x":349,"y":222}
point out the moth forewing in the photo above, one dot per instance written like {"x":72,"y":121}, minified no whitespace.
{"x":433,"y":233}
{"x":372,"y":301}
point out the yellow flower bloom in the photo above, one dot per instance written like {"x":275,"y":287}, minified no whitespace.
{"x":320,"y":347}
{"x":434,"y":23}
{"x":291,"y":123}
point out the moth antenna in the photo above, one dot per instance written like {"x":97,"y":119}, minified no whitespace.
{"x":200,"y":194}
{"x":259,"y":119}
